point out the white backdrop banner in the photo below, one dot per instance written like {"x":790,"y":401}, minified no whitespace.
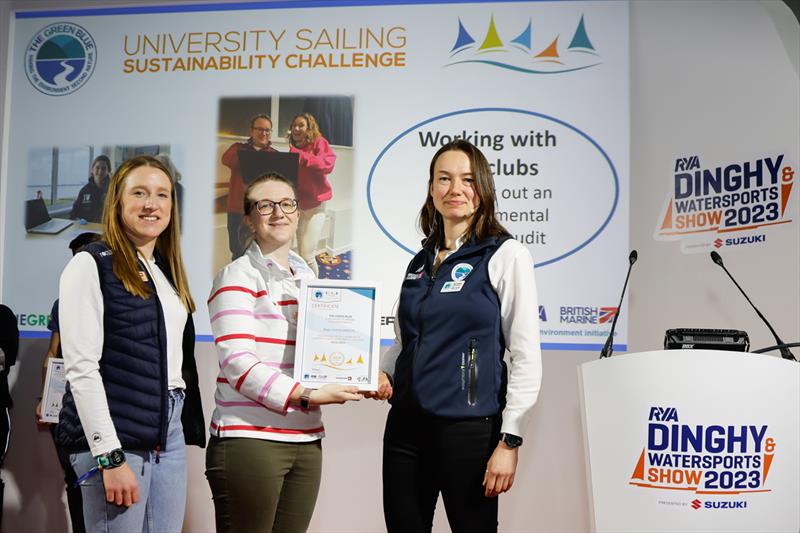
{"x":540,"y":87}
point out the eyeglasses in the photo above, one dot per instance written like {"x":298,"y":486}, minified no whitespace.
{"x":266,"y":207}
{"x":263,"y":131}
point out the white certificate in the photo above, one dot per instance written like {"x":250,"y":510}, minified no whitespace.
{"x":55,"y":384}
{"x":338,"y":334}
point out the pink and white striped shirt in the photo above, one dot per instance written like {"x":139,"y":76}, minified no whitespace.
{"x":253,"y":310}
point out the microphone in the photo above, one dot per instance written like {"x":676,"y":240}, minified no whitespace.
{"x":608,"y":348}
{"x":785,"y":353}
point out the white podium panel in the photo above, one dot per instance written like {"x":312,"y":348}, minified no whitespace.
{"x":692,"y":440}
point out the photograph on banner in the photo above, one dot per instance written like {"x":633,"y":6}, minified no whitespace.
{"x":309,"y":141}
{"x":67,"y":186}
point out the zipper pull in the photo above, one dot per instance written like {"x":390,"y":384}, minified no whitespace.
{"x":158,"y":454}
{"x":472,"y":395}
{"x":463,"y":372}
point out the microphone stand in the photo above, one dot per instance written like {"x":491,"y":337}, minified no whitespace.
{"x":608,"y":347}
{"x":780,"y":345}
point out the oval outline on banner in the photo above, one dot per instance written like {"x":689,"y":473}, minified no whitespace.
{"x":502,"y":110}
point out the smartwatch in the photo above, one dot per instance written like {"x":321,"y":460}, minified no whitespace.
{"x":112,"y":459}
{"x":305,"y":398}
{"x":512,"y":441}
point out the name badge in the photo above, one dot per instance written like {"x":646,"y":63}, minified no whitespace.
{"x":452,"y":286}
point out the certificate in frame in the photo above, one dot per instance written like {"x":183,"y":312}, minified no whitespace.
{"x":55,"y":384}
{"x":338,"y":334}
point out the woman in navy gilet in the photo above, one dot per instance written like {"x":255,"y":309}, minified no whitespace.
{"x":132,"y":401}
{"x":467,"y":304}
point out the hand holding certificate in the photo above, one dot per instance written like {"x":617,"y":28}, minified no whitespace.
{"x":338,"y":334}
{"x":55,"y":385}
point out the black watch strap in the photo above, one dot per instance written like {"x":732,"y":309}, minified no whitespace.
{"x":512,"y":441}
{"x":305,"y":398}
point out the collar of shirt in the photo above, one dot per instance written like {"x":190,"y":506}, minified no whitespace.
{"x":459,"y":242}
{"x":297,"y":266}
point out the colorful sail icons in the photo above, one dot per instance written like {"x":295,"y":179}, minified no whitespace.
{"x":549,"y":59}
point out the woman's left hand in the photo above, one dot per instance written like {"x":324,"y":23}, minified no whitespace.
{"x":500,"y":470}
{"x":384,"y":391}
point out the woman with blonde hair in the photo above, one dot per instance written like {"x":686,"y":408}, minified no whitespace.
{"x":132,"y":403}
{"x":313,"y":188}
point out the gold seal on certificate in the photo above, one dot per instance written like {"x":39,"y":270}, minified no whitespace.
{"x":338,"y":334}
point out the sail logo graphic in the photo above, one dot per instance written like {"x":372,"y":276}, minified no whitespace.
{"x":60,"y":58}
{"x":519,"y":54}
{"x":704,"y":458}
{"x":722,"y":199}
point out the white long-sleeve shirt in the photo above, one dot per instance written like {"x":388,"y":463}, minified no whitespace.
{"x":511,"y":276}
{"x":81,"y":310}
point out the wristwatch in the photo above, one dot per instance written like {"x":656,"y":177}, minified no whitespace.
{"x":512,"y":441}
{"x":305,"y":398}
{"x":112,"y":459}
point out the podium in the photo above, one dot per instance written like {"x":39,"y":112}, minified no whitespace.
{"x":692,"y":440}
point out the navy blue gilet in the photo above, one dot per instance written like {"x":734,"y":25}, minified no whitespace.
{"x":451,"y":364}
{"x":133,"y":365}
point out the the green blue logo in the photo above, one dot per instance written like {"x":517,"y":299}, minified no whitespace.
{"x":460,"y":271}
{"x":520,"y":54}
{"x":60,"y":58}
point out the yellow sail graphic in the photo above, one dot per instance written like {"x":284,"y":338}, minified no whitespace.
{"x":492,"y":39}
{"x":360,"y":360}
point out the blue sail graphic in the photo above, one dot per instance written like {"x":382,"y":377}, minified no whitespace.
{"x":463,"y":39}
{"x":580,"y":39}
{"x":524,"y":38}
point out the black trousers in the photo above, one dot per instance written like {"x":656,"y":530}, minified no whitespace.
{"x":424,"y":455}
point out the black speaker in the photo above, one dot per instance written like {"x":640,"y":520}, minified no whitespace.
{"x":706,"y":339}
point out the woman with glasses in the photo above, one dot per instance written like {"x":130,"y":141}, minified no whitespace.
{"x":259,"y":141}
{"x":313,"y":188}
{"x":132,"y":402}
{"x":264,"y":458}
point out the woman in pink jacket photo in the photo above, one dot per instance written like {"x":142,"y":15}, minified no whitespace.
{"x":313,"y":188}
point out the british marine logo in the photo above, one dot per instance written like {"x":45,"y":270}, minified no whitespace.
{"x":731,"y":204}
{"x":587,"y":314}
{"x":521,"y":54}
{"x":60,"y":58}
{"x":607,"y":314}
{"x":722,"y":460}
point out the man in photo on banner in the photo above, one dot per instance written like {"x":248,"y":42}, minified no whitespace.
{"x":259,"y":141}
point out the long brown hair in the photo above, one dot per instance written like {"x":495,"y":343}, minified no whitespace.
{"x":312,"y":129}
{"x":168,"y":244}
{"x":484,"y":224}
